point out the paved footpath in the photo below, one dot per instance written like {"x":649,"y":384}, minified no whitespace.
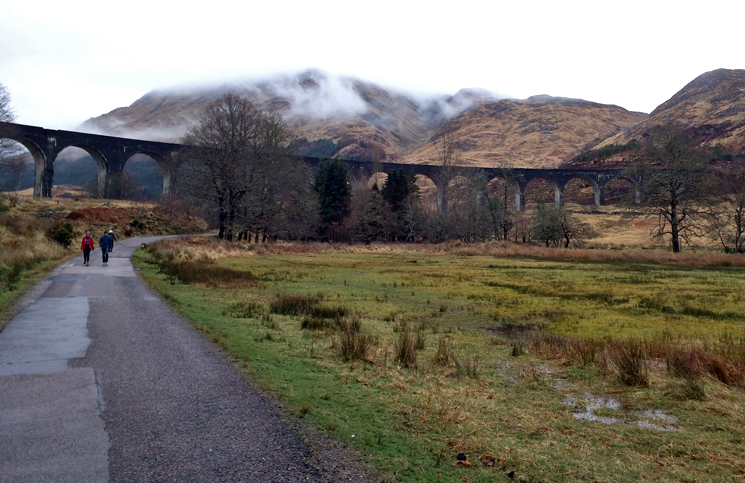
{"x":101,"y":381}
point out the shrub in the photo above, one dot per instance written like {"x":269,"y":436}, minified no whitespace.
{"x":136,"y":224}
{"x":61,"y":232}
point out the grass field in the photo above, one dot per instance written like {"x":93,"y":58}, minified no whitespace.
{"x":450,"y":365}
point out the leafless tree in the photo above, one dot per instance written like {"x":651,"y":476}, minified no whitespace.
{"x":500,"y":203}
{"x":12,"y":159}
{"x":555,"y":226}
{"x":12,"y":169}
{"x":6,"y":111}
{"x":238,"y":156}
{"x":448,"y":160}
{"x":674,"y":183}
{"x":727,"y":218}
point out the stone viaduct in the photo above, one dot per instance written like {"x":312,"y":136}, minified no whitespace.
{"x":112,"y":153}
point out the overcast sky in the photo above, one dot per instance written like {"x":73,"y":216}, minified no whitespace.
{"x":66,"y":61}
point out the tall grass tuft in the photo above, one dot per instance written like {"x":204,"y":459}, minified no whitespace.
{"x":294,"y":304}
{"x":695,"y":362}
{"x":629,"y":359}
{"x":316,"y":316}
{"x":443,"y":354}
{"x":354,"y":341}
{"x":468,"y":366}
{"x":406,"y":347}
{"x":244,"y":310}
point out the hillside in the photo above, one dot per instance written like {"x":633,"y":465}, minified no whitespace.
{"x":353,"y":119}
{"x":316,"y":107}
{"x":539,"y":132}
{"x":711,"y":108}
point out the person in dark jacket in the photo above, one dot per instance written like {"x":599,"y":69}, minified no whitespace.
{"x":104,"y":243}
{"x":87,"y":246}
{"x":112,"y":239}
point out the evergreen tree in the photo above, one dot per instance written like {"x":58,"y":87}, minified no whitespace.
{"x":398,"y":187}
{"x":334,"y":192}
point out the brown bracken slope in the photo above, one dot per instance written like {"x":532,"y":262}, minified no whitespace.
{"x":539,"y":132}
{"x":711,"y":108}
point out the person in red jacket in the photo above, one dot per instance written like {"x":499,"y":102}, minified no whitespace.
{"x":87,"y":246}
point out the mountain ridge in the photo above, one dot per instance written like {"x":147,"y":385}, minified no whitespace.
{"x":362,"y":120}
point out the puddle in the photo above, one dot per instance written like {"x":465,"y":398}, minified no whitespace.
{"x":650,"y":419}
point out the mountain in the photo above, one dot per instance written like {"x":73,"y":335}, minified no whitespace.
{"x":539,"y":132}
{"x":711,"y":109}
{"x":354,"y":119}
{"x":316,"y":106}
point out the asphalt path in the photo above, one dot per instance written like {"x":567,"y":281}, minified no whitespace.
{"x":101,"y":381}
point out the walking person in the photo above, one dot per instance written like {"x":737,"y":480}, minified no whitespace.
{"x":112,"y":239}
{"x":87,"y":246}
{"x":104,"y":243}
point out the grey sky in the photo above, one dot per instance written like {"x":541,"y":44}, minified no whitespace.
{"x":65,"y":62}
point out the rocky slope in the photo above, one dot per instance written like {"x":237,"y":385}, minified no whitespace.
{"x":354,"y":119}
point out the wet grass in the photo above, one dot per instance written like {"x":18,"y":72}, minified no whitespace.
{"x":476,"y":355}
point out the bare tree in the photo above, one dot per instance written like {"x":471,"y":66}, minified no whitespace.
{"x":236,"y":151}
{"x":727,"y":221}
{"x":6,"y":111}
{"x":674,"y":183}
{"x":12,"y":159}
{"x":448,"y":160}
{"x":554,"y":225}
{"x":500,"y":203}
{"x":12,"y":169}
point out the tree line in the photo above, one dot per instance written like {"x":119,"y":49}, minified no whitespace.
{"x":240,"y":164}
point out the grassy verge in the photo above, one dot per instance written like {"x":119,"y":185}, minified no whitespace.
{"x":21,"y":284}
{"x":447,"y":367}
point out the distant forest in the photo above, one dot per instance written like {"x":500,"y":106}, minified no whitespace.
{"x":83,"y":172}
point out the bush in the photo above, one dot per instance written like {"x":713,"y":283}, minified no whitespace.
{"x":12,"y":276}
{"x":62,"y":233}
{"x":136,"y":224}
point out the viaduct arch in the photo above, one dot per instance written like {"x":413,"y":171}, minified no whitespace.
{"x":111,"y":154}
